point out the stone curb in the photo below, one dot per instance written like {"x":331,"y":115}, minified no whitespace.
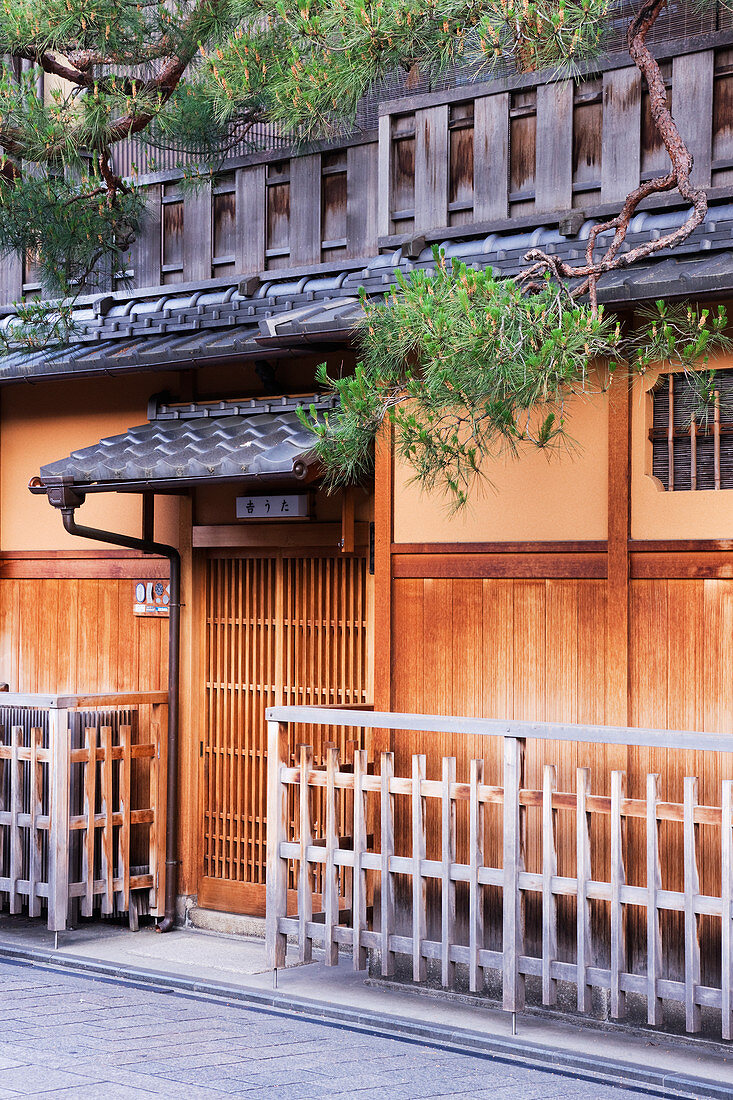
{"x":509,"y":1050}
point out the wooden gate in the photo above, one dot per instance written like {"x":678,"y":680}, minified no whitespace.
{"x":279,"y":629}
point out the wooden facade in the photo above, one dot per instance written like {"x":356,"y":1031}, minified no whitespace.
{"x":578,"y":590}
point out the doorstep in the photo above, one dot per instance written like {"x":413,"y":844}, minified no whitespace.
{"x":234,"y":967}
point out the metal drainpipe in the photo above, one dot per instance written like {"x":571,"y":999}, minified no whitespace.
{"x":148,"y":546}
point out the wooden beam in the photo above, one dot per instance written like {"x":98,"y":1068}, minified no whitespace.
{"x":431,"y":168}
{"x":250,"y":221}
{"x":362,"y":198}
{"x":621,"y":164}
{"x":491,"y":157}
{"x":383,"y":527}
{"x":347,"y":521}
{"x":619,"y":529}
{"x":692,"y":107}
{"x":275,"y":536}
{"x":554,"y":173}
{"x":578,"y":566}
{"x":305,"y":209}
{"x":197,"y":234}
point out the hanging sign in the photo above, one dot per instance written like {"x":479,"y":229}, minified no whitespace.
{"x":275,"y":506}
{"x":151,"y":598}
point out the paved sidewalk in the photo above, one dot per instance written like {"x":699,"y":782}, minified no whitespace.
{"x":75,"y":1036}
{"x":232,"y":969}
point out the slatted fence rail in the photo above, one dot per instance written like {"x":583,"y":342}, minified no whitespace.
{"x":375,"y":870}
{"x":82,"y":797}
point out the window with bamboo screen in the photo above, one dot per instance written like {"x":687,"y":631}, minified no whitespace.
{"x":333,"y":205}
{"x":692,"y":442}
{"x":460,"y":173}
{"x":522,"y":152}
{"x":277,"y":230}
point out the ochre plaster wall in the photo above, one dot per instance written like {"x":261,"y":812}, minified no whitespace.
{"x":655,"y":513}
{"x":538,"y":496}
{"x":39,"y":424}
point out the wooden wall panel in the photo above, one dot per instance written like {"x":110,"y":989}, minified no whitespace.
{"x":79,"y":635}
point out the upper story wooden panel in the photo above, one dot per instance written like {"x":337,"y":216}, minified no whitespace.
{"x":467,"y":160}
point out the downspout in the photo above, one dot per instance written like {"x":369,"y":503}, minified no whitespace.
{"x":149,"y":546}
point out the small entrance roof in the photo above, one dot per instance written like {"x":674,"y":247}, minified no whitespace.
{"x":187,"y":445}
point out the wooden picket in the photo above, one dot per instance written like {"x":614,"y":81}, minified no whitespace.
{"x":52,"y":856}
{"x":382,"y":930}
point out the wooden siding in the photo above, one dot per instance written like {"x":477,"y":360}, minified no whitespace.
{"x":79,"y":636}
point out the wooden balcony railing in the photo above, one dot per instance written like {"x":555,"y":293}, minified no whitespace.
{"x":82,"y":804}
{"x":610,"y":898}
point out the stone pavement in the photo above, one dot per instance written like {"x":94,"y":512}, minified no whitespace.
{"x":339,"y":1002}
{"x":65,"y":1034}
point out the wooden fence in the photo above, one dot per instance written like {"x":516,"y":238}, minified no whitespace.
{"x":497,"y":819}
{"x":82,"y":792}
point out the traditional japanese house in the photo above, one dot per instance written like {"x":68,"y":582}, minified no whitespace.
{"x":595,"y":586}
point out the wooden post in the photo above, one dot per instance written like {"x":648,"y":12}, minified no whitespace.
{"x":653,"y":886}
{"x":305,"y":877}
{"x":583,"y":874}
{"x":123,"y":838}
{"x":276,"y":890}
{"x":330,"y":871}
{"x":476,"y":862}
{"x":448,"y":858}
{"x":692,"y":889}
{"x":107,"y":811}
{"x":358,"y":904}
{"x":726,"y":894}
{"x":419,"y":853}
{"x":58,"y":846}
{"x":35,"y":853}
{"x":386,"y":803}
{"x":90,"y":799}
{"x":618,"y":879}
{"x":549,"y":871}
{"x":16,"y":808}
{"x":513,"y":931}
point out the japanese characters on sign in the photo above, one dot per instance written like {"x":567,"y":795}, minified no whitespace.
{"x":151,"y":598}
{"x":274,"y":506}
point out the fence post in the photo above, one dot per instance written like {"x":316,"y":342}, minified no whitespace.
{"x":58,"y":878}
{"x":726,"y":897}
{"x":549,"y":871}
{"x":653,"y":886}
{"x":618,"y":879}
{"x":358,"y":882}
{"x":476,"y":862}
{"x":513,"y":931}
{"x":305,"y":878}
{"x":692,"y":889}
{"x":583,"y":874}
{"x":386,"y":810}
{"x":276,"y":889}
{"x":419,"y":853}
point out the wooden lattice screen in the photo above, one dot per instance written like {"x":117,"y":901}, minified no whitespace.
{"x":279,"y":629}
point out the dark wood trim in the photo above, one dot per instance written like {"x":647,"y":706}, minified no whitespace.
{"x":619,"y":530}
{"x":682,"y":566}
{"x":383,"y":534}
{"x":681,"y":546}
{"x":508,"y":566}
{"x":77,"y":555}
{"x":586,"y":547}
{"x":63,"y":569}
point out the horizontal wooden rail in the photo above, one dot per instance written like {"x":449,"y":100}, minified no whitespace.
{"x":491,"y":727}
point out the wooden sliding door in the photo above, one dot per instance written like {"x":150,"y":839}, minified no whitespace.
{"x":278,"y":629}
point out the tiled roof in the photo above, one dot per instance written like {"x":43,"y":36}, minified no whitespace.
{"x":219,"y":322}
{"x":250,"y":441}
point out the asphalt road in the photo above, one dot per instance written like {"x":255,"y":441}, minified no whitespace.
{"x":68,"y":1035}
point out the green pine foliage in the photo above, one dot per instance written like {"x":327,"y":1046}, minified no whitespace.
{"x":468,"y":367}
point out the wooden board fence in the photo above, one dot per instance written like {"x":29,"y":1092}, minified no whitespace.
{"x":374,"y":871}
{"x":82,"y":804}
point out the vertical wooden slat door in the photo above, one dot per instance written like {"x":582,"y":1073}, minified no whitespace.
{"x":278,"y":629}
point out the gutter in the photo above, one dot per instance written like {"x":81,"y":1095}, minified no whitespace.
{"x":67,"y":499}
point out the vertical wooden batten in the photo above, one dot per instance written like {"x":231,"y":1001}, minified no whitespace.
{"x":362,"y":194}
{"x":621,"y":163}
{"x":491,"y":157}
{"x":305,"y":210}
{"x":692,"y":107}
{"x":250,"y":221}
{"x":431,"y":168}
{"x":197,"y":238}
{"x":554,"y":178}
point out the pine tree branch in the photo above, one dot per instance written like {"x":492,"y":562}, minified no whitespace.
{"x":679,"y":177}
